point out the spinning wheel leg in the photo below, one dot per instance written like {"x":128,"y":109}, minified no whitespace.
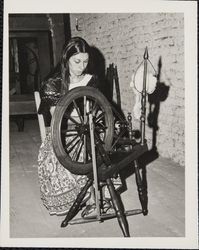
{"x":141,"y":190}
{"x":75,"y":207}
{"x":118,"y":207}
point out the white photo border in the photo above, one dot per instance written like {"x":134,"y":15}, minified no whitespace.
{"x":189,"y":8}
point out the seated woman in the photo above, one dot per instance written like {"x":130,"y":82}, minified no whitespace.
{"x":58,"y":186}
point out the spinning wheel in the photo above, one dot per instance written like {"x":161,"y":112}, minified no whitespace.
{"x":86,"y":142}
{"x":70,"y":128}
{"x":72,"y":139}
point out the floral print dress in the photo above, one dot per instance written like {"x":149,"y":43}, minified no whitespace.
{"x":58,"y":186}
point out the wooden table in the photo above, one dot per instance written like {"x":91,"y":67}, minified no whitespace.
{"x":21,"y":105}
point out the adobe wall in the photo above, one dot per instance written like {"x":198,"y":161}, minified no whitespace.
{"x":122,"y":39}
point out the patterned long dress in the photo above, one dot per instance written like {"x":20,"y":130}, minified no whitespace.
{"x":58,"y":186}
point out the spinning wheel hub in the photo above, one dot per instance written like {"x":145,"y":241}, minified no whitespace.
{"x":82,"y":129}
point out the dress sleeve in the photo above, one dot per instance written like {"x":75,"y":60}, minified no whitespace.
{"x":50,"y":94}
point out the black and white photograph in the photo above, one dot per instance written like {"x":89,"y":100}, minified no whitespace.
{"x":99,"y":124}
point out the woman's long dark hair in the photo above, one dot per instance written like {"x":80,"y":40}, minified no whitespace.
{"x":74,"y":46}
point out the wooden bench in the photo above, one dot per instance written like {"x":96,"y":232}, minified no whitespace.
{"x":21,"y":105}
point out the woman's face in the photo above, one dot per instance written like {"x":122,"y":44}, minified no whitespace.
{"x":78,"y":63}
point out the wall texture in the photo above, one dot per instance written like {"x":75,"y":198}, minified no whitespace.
{"x":122,"y":39}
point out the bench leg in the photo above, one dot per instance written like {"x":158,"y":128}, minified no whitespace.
{"x":20,"y":124}
{"x":119,"y":209}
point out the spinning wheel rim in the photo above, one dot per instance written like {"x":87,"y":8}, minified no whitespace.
{"x":96,"y":96}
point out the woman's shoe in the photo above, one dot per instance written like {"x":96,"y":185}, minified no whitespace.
{"x":90,"y":210}
{"x":107,"y":206}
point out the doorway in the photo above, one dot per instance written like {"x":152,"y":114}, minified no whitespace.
{"x":30,"y":60}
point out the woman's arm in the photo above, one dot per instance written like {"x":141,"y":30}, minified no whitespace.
{"x":50,"y":95}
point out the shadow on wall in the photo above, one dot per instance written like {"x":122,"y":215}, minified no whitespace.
{"x":97,"y":63}
{"x":97,"y":66}
{"x":106,"y":78}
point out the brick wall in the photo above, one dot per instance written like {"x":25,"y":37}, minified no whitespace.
{"x":122,"y":39}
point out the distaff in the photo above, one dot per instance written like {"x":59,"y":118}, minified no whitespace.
{"x":143,"y":82}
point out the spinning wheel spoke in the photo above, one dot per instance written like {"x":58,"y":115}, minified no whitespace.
{"x":94,"y":108}
{"x":98,"y":137}
{"x":78,"y":111}
{"x":101,"y":131}
{"x":101,"y":127}
{"x":72,"y":147}
{"x":70,"y":142}
{"x":80,"y":150}
{"x":68,"y":116}
{"x":77,"y":152}
{"x":69,"y":132}
{"x":73,"y":120}
{"x":100,"y":117}
{"x":69,"y":135}
{"x":87,"y":150}
{"x":85,"y":155}
{"x":77,"y":148}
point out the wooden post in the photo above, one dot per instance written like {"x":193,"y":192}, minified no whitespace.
{"x":143,"y":100}
{"x":97,"y":194}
